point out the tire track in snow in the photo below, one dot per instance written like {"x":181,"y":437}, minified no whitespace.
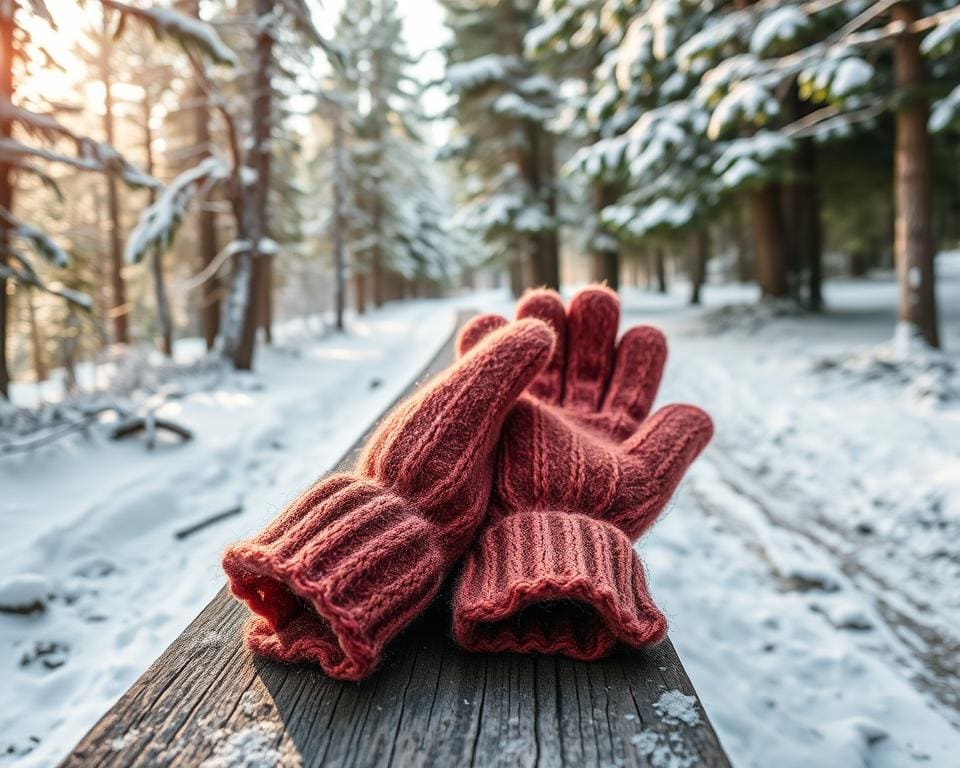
{"x":926,"y":648}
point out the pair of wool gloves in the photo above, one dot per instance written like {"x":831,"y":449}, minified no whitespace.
{"x":531,"y":464}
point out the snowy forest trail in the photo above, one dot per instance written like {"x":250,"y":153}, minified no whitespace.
{"x":919,"y":640}
{"x":808,"y":564}
{"x":101,"y":545}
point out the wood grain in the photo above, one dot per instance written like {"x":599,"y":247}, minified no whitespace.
{"x":206,"y":701}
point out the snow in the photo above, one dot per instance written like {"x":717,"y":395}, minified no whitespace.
{"x":662,"y":212}
{"x":779,"y":26}
{"x":480,"y":71}
{"x":267,"y":246}
{"x":744,"y":159}
{"x":851,"y":75}
{"x":721,"y":31}
{"x":97,"y":547}
{"x":248,"y":175}
{"x":159,"y":221}
{"x":747,"y":101}
{"x":250,"y":747}
{"x":662,"y":14}
{"x":24,"y":592}
{"x":190,"y":30}
{"x":943,"y":39}
{"x":677,"y":707}
{"x":945,"y":111}
{"x":808,"y":563}
{"x":841,"y":73}
{"x":514,"y":105}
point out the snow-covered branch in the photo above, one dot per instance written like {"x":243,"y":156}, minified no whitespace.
{"x":190,"y":33}
{"x":159,"y":222}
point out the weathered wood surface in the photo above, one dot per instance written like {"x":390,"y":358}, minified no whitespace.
{"x":206,"y":701}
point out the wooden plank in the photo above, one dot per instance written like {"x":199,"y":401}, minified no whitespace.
{"x":206,"y":701}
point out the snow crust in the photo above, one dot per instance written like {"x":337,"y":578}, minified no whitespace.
{"x":89,"y":523}
{"x":808,"y":564}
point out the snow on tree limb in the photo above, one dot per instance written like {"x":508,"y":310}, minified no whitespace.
{"x":48,"y":249}
{"x":946,"y":111}
{"x":303,"y":22}
{"x":190,"y":33}
{"x":159,"y":222}
{"x":39,"y":241}
{"x":39,"y":7}
{"x":481,"y":71}
{"x":91,"y":156}
{"x":30,"y":278}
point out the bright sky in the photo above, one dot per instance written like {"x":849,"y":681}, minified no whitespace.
{"x":424,"y":29}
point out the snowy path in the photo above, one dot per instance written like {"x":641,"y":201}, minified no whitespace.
{"x":809,"y":565}
{"x":95,"y":523}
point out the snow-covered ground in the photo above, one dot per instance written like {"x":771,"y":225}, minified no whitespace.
{"x":93,"y":523}
{"x":809,"y":565}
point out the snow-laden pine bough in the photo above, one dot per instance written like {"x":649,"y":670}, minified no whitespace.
{"x":428,"y":703}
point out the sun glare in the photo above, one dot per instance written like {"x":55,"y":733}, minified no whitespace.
{"x":47,"y":82}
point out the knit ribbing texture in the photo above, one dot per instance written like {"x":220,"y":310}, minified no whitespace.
{"x":359,"y":556}
{"x":582,"y":472}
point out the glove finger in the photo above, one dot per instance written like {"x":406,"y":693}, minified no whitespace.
{"x":546,"y":305}
{"x":436,"y":438}
{"x":657,"y":457}
{"x":592,"y":322}
{"x":475,"y":329}
{"x":641,"y":355}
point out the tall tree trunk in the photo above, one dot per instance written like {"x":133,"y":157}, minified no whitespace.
{"x":771,"y":253}
{"x":769,"y":236}
{"x":606,"y":253}
{"x":698,"y":272}
{"x":6,"y":184}
{"x":339,"y":183}
{"x":379,"y":111}
{"x":156,"y":255}
{"x":742,"y":244}
{"x":360,"y":292}
{"x":36,"y":340}
{"x":913,"y":239}
{"x":266,"y":296}
{"x":517,"y":283}
{"x":206,"y":215}
{"x":101,"y":269}
{"x":119,"y":311}
{"x":536,"y":162}
{"x":661,"y":269}
{"x":808,"y":234}
{"x":548,"y":261}
{"x":802,"y":215}
{"x":249,"y":266}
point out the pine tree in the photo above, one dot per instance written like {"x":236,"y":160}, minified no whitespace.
{"x":44,"y":138}
{"x":392,"y":210}
{"x":571,"y":41}
{"x":504,"y":145}
{"x":830,"y":53}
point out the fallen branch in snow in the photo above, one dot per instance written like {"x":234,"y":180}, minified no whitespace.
{"x":150,"y":424}
{"x":69,"y":428}
{"x":208,"y":521}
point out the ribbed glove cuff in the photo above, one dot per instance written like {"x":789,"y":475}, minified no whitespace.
{"x":339,"y":573}
{"x":552,"y":582}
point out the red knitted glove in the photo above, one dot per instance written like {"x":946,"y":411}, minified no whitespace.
{"x":581,"y":474}
{"x":358,"y":556}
